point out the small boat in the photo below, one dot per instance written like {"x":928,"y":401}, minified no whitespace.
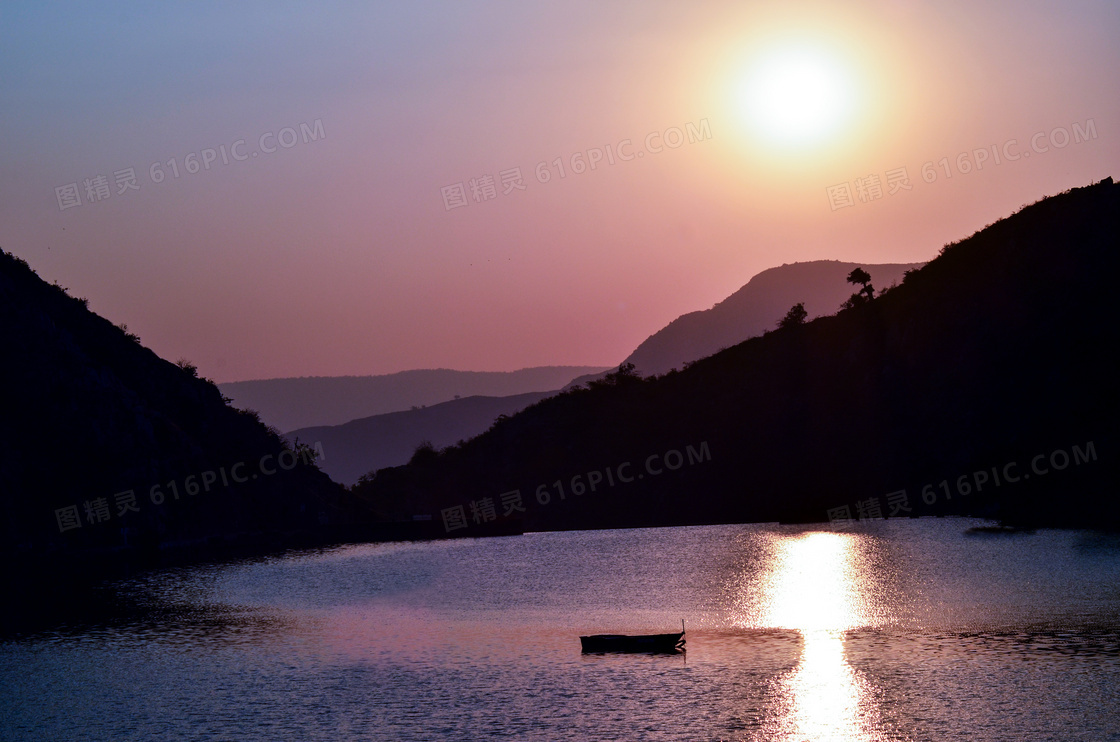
{"x":633,"y":643}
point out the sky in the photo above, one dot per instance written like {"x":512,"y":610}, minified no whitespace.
{"x":284,"y":189}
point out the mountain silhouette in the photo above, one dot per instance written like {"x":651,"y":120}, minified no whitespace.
{"x":995,"y":358}
{"x":376,"y":442}
{"x":754,"y":309}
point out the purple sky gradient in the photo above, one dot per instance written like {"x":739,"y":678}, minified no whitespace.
{"x":338,"y":256}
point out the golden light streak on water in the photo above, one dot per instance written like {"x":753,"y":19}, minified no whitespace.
{"x":813,"y":587}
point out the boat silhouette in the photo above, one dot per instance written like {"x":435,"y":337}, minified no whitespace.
{"x":652,"y":643}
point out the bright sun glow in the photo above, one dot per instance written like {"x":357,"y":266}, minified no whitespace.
{"x":798,"y":96}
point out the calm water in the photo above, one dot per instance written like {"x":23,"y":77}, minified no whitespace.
{"x":905,"y":630}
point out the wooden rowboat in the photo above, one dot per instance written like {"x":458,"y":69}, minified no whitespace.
{"x":633,"y":643}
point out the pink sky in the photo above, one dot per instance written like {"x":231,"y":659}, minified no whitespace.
{"x":339,"y":256}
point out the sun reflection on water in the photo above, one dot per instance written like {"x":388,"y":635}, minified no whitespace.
{"x":813,"y":587}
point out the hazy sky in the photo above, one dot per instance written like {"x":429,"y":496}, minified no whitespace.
{"x":327,"y":234}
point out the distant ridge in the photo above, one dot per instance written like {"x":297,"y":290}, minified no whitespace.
{"x":361,"y":446}
{"x":389,"y":439}
{"x":301,"y":402}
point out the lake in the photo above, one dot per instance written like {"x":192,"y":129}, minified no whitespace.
{"x":893,"y":630}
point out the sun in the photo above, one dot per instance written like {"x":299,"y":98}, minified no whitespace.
{"x":798,"y":96}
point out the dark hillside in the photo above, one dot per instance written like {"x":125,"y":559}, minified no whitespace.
{"x":996,"y":352}
{"x":110,"y":455}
